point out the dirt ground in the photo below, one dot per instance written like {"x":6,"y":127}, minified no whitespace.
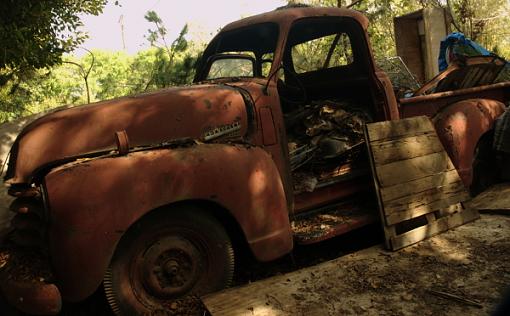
{"x":470,"y":262}
{"x":495,"y":199}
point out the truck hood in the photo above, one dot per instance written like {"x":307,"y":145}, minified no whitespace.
{"x":152,"y":118}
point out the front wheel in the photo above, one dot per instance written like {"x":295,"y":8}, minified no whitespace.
{"x":166,"y":256}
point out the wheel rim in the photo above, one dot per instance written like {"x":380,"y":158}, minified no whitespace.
{"x":169,"y":267}
{"x":165,"y":258}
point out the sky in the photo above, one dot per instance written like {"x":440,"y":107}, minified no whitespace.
{"x":204,"y":19}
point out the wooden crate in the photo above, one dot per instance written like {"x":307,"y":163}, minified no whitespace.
{"x":419,"y":191}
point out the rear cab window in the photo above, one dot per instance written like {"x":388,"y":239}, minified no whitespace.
{"x":321,"y":53}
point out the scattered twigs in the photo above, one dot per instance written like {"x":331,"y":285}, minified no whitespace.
{"x":456,"y":298}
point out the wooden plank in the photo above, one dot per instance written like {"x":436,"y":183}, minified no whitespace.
{"x":396,"y":218}
{"x":394,"y":129}
{"x":406,"y":148}
{"x":412,"y":169}
{"x":423,"y":198}
{"x":431,"y":218}
{"x":435,"y":228}
{"x":414,"y":176}
{"x":450,"y":210}
{"x":233,"y":304}
{"x":419,"y":185}
{"x":389,"y":231}
{"x":272,"y":296}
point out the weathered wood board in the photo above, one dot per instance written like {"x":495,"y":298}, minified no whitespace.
{"x":414,"y":177}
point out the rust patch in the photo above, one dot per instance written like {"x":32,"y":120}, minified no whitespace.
{"x":227,"y":105}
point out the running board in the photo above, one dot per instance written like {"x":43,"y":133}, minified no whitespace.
{"x":326,"y":223}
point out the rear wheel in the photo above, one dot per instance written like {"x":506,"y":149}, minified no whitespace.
{"x":165,"y":257}
{"x":485,"y":171}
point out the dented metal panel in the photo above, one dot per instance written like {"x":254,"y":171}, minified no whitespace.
{"x":119,"y":190}
{"x":460,"y":126}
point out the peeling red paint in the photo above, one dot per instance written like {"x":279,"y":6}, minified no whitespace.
{"x":461,"y":125}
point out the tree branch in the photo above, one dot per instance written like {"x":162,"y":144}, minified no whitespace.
{"x":84,"y":73}
{"x":450,"y":12}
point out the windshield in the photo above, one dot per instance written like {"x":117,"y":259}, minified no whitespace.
{"x":256,"y":41}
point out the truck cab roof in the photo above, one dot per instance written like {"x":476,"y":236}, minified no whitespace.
{"x":285,"y":16}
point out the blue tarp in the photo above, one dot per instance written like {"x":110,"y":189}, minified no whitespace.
{"x":456,"y":45}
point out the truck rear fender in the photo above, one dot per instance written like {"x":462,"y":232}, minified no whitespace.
{"x":93,"y":203}
{"x":461,"y":125}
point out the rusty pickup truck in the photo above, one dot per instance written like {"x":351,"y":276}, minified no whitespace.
{"x":152,"y":196}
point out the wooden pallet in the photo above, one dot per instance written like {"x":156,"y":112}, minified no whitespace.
{"x":419,"y":191}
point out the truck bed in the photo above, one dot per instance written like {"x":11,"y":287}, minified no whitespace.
{"x":430,"y":104}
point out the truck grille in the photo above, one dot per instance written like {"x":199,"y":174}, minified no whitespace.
{"x":28,"y":225}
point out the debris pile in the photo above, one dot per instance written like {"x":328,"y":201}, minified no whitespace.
{"x":401,"y":78}
{"x":324,"y":139}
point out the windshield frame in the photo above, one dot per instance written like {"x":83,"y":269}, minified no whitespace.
{"x":214,"y":48}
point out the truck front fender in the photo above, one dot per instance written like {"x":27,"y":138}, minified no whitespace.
{"x":92,"y":203}
{"x":460,"y":126}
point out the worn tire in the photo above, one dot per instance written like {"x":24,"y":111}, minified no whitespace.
{"x":166,"y":256}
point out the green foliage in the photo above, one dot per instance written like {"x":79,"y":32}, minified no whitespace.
{"x":483,"y":21}
{"x":324,"y":52}
{"x":381,"y":14}
{"x":35,"y":33}
{"x":165,"y":71}
{"x":43,"y":90}
{"x":98,"y":75}
{"x":114,"y":74}
{"x":110,"y":76}
{"x":34,"y":36}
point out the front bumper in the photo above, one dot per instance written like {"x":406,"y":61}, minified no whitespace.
{"x":26,"y":282}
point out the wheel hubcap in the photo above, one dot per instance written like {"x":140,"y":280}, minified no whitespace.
{"x":171,"y":267}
